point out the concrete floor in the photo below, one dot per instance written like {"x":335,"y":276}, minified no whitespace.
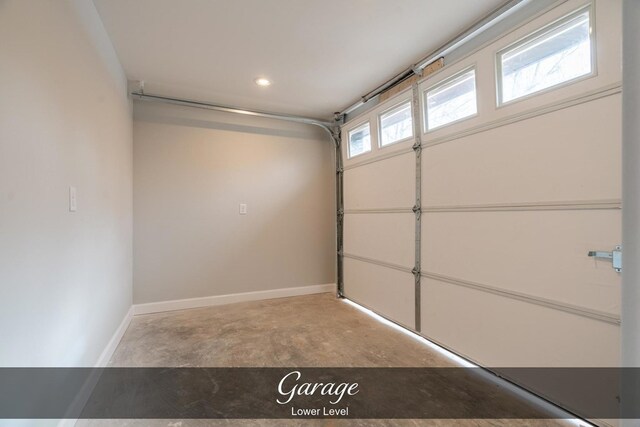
{"x":306,"y":331}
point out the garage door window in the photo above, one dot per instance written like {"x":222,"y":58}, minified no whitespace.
{"x":554,"y":55}
{"x":396,"y":125}
{"x":360,"y":140}
{"x":452,"y":100}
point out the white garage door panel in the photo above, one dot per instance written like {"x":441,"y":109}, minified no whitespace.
{"x":388,"y":183}
{"x":512,"y":201}
{"x":500,"y":332}
{"x":568,"y":155}
{"x":387,"y":291}
{"x":383,"y":237}
{"x":538,"y":253}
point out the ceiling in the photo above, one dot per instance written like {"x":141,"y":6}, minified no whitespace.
{"x":321,"y":55}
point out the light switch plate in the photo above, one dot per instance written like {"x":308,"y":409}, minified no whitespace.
{"x":73,"y":199}
{"x":243,"y":208}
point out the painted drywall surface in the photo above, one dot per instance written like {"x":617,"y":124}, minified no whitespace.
{"x":65,"y":120}
{"x":630,"y":394}
{"x":320,"y":55}
{"x":631,"y":177}
{"x":192,"y":169}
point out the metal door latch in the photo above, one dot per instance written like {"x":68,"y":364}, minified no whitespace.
{"x":615,"y":256}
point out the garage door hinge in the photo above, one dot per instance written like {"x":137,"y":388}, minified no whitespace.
{"x":417,"y":146}
{"x":417,"y":210}
{"x":615,"y":256}
{"x":416,"y":272}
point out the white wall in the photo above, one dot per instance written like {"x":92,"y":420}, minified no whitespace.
{"x":192,"y":168}
{"x":631,"y":209}
{"x":631,"y":177}
{"x":65,"y":278}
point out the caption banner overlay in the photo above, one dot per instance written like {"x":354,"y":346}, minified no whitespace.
{"x":306,"y":393}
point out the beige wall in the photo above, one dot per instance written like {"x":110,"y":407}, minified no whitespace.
{"x":65,"y":120}
{"x":192,"y":169}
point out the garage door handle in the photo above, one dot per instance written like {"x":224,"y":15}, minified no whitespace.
{"x":615,"y":256}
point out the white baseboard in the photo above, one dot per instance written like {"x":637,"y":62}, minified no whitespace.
{"x":102,"y":361}
{"x":182,"y":304}
{"x":115,"y":340}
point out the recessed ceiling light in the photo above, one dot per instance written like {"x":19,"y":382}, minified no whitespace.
{"x":261,"y":81}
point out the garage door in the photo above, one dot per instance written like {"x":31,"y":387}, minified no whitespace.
{"x":518,"y":179}
{"x":379,"y":222}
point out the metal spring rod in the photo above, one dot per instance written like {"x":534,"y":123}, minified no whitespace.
{"x":474,"y":30}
